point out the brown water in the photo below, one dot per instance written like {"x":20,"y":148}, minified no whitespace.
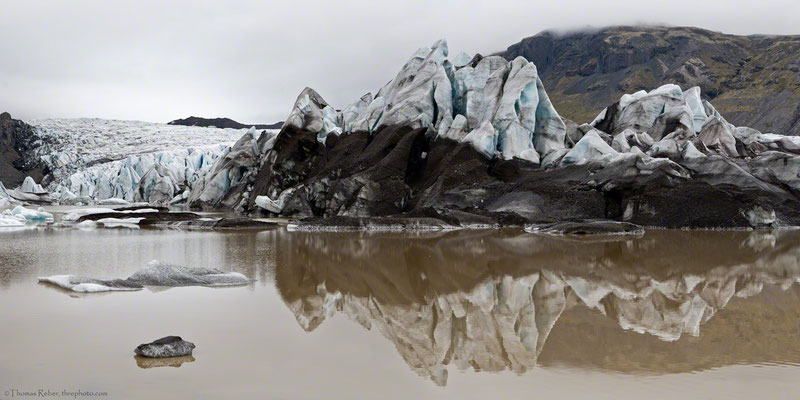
{"x":471,"y":314}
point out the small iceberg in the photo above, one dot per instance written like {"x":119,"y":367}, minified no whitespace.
{"x":89,"y":285}
{"x":114,"y":201}
{"x":39,"y":215}
{"x":156,"y":273}
{"x":587,"y":227}
{"x":166,"y":347}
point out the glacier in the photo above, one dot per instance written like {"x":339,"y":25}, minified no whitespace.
{"x":94,"y":161}
{"x":452,"y":99}
{"x":470,"y":141}
{"x":403,"y":153}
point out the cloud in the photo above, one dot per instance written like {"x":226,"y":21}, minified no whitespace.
{"x":158,"y":61}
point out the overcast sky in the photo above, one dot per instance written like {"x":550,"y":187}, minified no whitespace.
{"x":248,"y":60}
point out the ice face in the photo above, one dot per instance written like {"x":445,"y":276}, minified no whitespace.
{"x":511,"y":99}
{"x":717,"y":135}
{"x":695,"y":104}
{"x":483,"y":139}
{"x":452,"y":98}
{"x":350,"y":114}
{"x":461,"y":59}
{"x":641,"y":110}
{"x":69,"y":145}
{"x":135,"y":178}
{"x":307,"y":111}
{"x":457,"y":130}
{"x":591,"y":147}
{"x":235,"y":168}
{"x":421,"y":94}
{"x":93,"y":160}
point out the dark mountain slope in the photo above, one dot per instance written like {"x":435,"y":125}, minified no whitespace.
{"x":221,"y":123}
{"x":753,"y":80}
{"x":15,"y":138}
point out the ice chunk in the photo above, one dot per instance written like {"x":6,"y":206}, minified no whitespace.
{"x":351,"y":113}
{"x":113,"y":202}
{"x":277,"y":205}
{"x":690,"y":152}
{"x":461,"y":59}
{"x":39,"y":215}
{"x":74,"y":215}
{"x":30,"y":186}
{"x":164,"y":274}
{"x":457,"y":130}
{"x":483,"y":139}
{"x":421,"y":93}
{"x":132,"y":223}
{"x":89,"y":285}
{"x":6,"y":200}
{"x":307,"y":111}
{"x":695,"y":103}
{"x":717,"y":135}
{"x":156,"y":273}
{"x":591,"y":147}
{"x":7,"y":220}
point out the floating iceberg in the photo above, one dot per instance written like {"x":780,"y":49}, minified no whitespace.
{"x":89,"y":285}
{"x":155,"y":274}
{"x":10,"y":221}
{"x":39,"y":215}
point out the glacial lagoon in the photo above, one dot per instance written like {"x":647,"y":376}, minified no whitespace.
{"x":457,"y":314}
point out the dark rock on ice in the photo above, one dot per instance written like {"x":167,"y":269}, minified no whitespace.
{"x":89,"y":285}
{"x":169,"y":346}
{"x":222,"y":223}
{"x":146,"y":217}
{"x":221,"y":123}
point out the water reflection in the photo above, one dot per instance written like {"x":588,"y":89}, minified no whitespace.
{"x":174,"y":362}
{"x":110,"y":253}
{"x":493,"y":301}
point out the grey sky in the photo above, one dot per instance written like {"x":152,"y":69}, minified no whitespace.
{"x":160,"y":60}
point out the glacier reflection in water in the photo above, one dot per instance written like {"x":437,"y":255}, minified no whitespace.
{"x":493,"y":300}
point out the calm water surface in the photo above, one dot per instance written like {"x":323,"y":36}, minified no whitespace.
{"x":470,"y":314}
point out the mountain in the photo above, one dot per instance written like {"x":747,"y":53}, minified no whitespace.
{"x":753,"y":80}
{"x":221,"y":123}
{"x":15,"y":138}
